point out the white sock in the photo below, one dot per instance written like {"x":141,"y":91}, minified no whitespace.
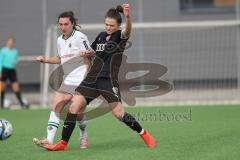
{"x":82,"y":126}
{"x":53,"y":124}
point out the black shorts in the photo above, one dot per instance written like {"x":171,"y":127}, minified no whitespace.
{"x":9,"y":74}
{"x":105,"y":87}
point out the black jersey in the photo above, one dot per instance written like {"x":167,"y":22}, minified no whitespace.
{"x":109,"y":48}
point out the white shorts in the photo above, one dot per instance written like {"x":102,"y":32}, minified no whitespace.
{"x":69,"y":89}
{"x":72,"y":78}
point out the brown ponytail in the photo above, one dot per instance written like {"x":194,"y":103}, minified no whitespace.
{"x":115,"y":14}
{"x":119,"y":8}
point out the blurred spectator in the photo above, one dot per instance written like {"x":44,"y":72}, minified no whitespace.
{"x":8,"y":61}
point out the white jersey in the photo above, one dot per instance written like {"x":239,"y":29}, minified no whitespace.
{"x":73,"y":64}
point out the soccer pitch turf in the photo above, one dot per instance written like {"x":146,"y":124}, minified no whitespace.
{"x":182,"y":133}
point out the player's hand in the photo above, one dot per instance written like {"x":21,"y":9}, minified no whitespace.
{"x":126,"y":10}
{"x":87,"y":53}
{"x":40,"y":59}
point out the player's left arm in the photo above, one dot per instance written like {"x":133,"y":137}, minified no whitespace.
{"x":128,"y":26}
{"x":86,"y":52}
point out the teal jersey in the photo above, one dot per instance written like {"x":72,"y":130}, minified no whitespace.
{"x":8,"y":58}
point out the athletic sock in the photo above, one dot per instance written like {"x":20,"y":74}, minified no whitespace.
{"x":68,"y":126}
{"x":52,"y":127}
{"x":131,"y":122}
{"x":82,"y":126}
{"x":2,"y":99}
{"x":19,"y":97}
{"x":143,"y":132}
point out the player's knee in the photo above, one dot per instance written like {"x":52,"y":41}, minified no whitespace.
{"x":58,"y":106}
{"x":78,"y":103}
{"x":118,"y":113}
{"x":73,"y":110}
{"x":15,"y":87}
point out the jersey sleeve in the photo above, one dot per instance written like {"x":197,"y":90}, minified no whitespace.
{"x":85,"y":45}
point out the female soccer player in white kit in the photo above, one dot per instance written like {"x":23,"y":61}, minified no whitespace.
{"x":71,"y":45}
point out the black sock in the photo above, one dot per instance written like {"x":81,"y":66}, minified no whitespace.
{"x":131,"y":122}
{"x":19,"y":97}
{"x":68,"y":127}
{"x":2,"y":99}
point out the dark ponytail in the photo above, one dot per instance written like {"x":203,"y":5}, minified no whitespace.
{"x":70,"y":15}
{"x":119,"y":8}
{"x":115,"y":14}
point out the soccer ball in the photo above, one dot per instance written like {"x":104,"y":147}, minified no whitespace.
{"x":6,"y":129}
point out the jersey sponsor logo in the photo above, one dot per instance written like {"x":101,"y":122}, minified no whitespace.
{"x":100,"y":47}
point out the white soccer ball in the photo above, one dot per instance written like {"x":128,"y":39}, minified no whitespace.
{"x":6,"y":129}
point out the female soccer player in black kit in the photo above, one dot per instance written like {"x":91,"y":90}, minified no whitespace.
{"x":105,"y":83}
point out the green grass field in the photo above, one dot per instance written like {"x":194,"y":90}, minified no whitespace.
{"x":195,"y":133}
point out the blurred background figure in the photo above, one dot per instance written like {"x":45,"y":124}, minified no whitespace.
{"x":8,"y":61}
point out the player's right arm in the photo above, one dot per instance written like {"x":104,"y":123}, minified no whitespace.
{"x":54,"y":59}
{"x":50,"y":60}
